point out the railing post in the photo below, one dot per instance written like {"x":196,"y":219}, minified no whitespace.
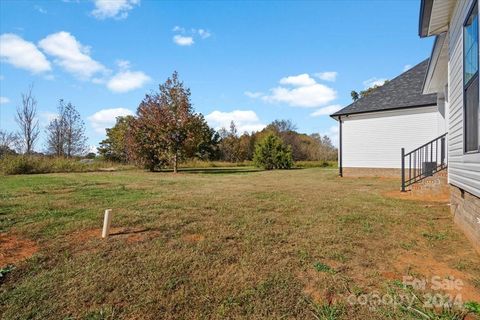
{"x":403,"y":169}
{"x":442,"y":145}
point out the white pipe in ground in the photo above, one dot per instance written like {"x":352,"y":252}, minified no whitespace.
{"x":107,"y":220}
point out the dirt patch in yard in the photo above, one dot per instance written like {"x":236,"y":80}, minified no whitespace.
{"x":193,"y":238}
{"x":14,"y":249}
{"x":425,"y":267}
{"x":320,"y":287}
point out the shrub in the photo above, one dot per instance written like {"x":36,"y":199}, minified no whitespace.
{"x":272,"y":153}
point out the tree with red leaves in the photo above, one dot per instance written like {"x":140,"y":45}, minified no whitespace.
{"x":166,"y":129}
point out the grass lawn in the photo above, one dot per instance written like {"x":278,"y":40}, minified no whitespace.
{"x":223,"y":243}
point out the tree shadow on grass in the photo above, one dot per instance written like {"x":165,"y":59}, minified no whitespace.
{"x":214,"y":170}
{"x":128,"y":231}
{"x":221,"y":170}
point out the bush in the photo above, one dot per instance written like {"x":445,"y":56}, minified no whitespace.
{"x":272,"y":153}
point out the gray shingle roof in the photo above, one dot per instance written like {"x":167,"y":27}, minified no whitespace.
{"x":404,"y":91}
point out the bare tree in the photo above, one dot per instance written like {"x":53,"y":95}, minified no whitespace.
{"x":8,"y":143}
{"x":55,"y":138}
{"x":75,"y":139}
{"x":66,"y":133}
{"x":26,"y":119}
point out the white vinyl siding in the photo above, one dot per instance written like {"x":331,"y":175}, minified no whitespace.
{"x":463,"y":169}
{"x":374,"y":140}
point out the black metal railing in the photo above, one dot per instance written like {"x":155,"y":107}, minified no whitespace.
{"x":424,"y":161}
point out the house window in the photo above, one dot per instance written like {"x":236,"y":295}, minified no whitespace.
{"x":470,"y":82}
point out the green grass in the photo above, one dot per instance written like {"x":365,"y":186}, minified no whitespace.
{"x":215,"y":242}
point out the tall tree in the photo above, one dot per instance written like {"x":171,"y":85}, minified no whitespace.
{"x":230,"y":147}
{"x":75,"y":139}
{"x":204,"y":144}
{"x":355,"y":96}
{"x":166,"y":126}
{"x":281,"y":125}
{"x":26,"y":119}
{"x":55,"y":132}
{"x":66,"y":133}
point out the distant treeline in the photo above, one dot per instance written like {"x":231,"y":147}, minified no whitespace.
{"x":227,"y":145}
{"x":164,"y":132}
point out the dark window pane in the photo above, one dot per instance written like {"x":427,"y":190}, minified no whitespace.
{"x":470,"y":78}
{"x":471,"y":116}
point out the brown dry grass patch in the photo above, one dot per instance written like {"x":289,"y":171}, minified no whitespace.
{"x":14,"y":249}
{"x":221,"y":244}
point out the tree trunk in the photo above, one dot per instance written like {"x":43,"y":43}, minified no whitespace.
{"x":175,"y":162}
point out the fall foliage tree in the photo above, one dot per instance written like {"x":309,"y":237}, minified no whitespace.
{"x":230,"y":146}
{"x":166,"y":128}
{"x":115,"y":146}
{"x":204,"y":143}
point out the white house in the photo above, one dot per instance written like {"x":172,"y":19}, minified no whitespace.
{"x":453,"y":73}
{"x":397,"y":115}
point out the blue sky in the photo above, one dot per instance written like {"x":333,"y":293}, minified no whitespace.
{"x":251,"y":62}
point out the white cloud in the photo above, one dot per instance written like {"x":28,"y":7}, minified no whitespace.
{"x":92,"y":149}
{"x":326,"y":111}
{"x":4,"y":100}
{"x":374,"y":82}
{"x":299,"y":81}
{"x":407,"y":67}
{"x":22,"y":54}
{"x":46,"y":117}
{"x":40,"y":9}
{"x":123,"y":64}
{"x":327,"y":75}
{"x":183,"y":40}
{"x":304,"y":92}
{"x":204,"y":34}
{"x":253,"y":94}
{"x":186,"y":37}
{"x":307,"y":97}
{"x":125,"y":81}
{"x":245,"y":120}
{"x":333,"y":134}
{"x":106,"y":118}
{"x":117,"y":9}
{"x":71,"y":55}
{"x":178,"y":29}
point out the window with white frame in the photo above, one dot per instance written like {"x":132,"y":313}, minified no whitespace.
{"x":470,"y":82}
